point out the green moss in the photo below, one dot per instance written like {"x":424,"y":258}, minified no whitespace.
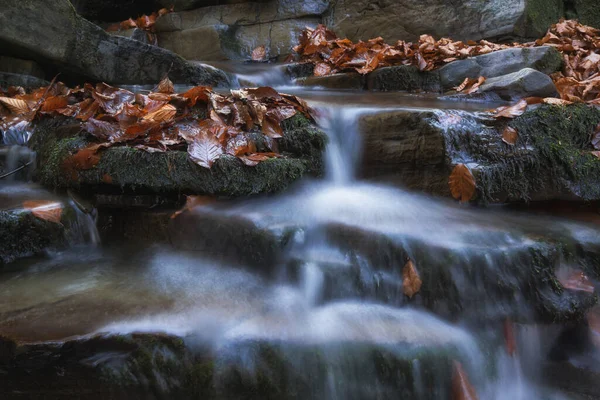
{"x":539,"y":15}
{"x":588,"y":12}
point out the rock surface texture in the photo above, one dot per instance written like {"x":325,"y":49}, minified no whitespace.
{"x":61,"y":40}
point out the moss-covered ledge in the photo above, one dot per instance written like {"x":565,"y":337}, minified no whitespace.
{"x":551,"y":160}
{"x":125,"y":169}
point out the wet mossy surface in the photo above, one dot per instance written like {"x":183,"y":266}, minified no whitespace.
{"x":24,"y":235}
{"x":134,"y":171}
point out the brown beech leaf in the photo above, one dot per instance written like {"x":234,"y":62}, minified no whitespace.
{"x":103,"y":130}
{"x":163,"y":114}
{"x":509,"y":337}
{"x":510,"y":136}
{"x":16,"y":106}
{"x":512,"y":111}
{"x":86,"y":158}
{"x":165,"y":86}
{"x":462,"y":183}
{"x":45,"y":209}
{"x":205,"y":150}
{"x":54,"y":103}
{"x":595,"y":153}
{"x":574,"y":279}
{"x":271,"y":128}
{"x":411,"y":282}
{"x":322,"y":69}
{"x":556,"y":102}
{"x":197,"y":93}
{"x":461,"y":387}
{"x":259,"y":53}
{"x":192,"y":202}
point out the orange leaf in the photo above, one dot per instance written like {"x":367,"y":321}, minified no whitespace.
{"x":53,"y":103}
{"x":510,"y":136}
{"x":45,"y":209}
{"x":461,"y":387}
{"x":16,"y":106}
{"x":512,"y":111}
{"x":165,"y":86}
{"x":462,"y":183}
{"x":192,"y":202}
{"x":259,"y":53}
{"x":322,"y":69}
{"x":411,"y":282}
{"x":165,"y":113}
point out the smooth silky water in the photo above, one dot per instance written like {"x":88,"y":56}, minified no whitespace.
{"x":222,"y":303}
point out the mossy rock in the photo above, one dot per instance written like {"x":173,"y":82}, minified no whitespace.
{"x":129,"y":170}
{"x":24,"y":235}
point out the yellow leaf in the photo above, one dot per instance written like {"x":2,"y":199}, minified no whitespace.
{"x":462,"y":183}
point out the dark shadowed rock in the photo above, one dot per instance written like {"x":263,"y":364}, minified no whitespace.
{"x":524,"y":83}
{"x":114,"y":10}
{"x":27,"y":81}
{"x":62,"y":39}
{"x":544,"y":59}
{"x":347,"y":80}
{"x":403,"y":77}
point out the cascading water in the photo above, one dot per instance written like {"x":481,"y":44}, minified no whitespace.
{"x":314,"y":307}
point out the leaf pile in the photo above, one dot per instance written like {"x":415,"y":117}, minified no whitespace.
{"x":580,"y":45}
{"x":145,"y":22}
{"x":205,"y":123}
{"x":331,"y":55}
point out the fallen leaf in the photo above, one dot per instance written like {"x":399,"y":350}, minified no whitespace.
{"x":509,"y":337}
{"x":192,"y":202}
{"x":510,"y":136}
{"x":574,"y":279}
{"x":16,"y":106}
{"x":512,"y":111}
{"x":45,"y":209}
{"x":461,"y":387}
{"x":411,"y":282}
{"x":259,"y":53}
{"x":54,"y":103}
{"x":163,"y":114}
{"x":165,"y":86}
{"x":106,"y":178}
{"x":205,"y":150}
{"x":462,"y":183}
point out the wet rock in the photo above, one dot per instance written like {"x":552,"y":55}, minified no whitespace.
{"x":348,"y":80}
{"x":27,"y":81}
{"x":586,"y":11}
{"x":22,"y":67}
{"x":300,"y":70}
{"x":137,"y":34}
{"x":543,"y":59}
{"x":114,"y":10}
{"x":65,"y":41}
{"x":525,"y":83}
{"x":135,"y":171}
{"x":403,"y":77}
{"x":236,"y":29}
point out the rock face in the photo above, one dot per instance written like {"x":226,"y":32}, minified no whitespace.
{"x":63,"y":40}
{"x":134,"y":171}
{"x":114,"y":10}
{"x":235,"y":30}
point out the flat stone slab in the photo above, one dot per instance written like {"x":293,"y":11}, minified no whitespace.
{"x":524,"y":83}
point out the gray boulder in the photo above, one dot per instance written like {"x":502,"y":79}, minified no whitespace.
{"x":403,"y":77}
{"x":65,"y":40}
{"x":524,"y":83}
{"x":27,"y":81}
{"x":544,"y":59}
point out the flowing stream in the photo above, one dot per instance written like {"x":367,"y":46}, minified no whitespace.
{"x":331,"y":301}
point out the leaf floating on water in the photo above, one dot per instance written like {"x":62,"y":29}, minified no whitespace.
{"x":462,"y":183}
{"x":205,"y":150}
{"x":192,"y":202}
{"x":16,"y":106}
{"x":45,"y":209}
{"x":411,"y":281}
{"x":509,"y":337}
{"x":259,"y":53}
{"x":461,"y":387}
{"x":511,"y":111}
{"x":510,"y":136}
{"x":165,"y":86}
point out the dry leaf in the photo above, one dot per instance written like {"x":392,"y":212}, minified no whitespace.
{"x":461,"y":387}
{"x":16,"y":106}
{"x":45,"y":209}
{"x":462,"y":183}
{"x":259,"y":53}
{"x":411,"y":282}
{"x":165,"y":113}
{"x":165,"y":86}
{"x":510,"y":136}
{"x":512,"y":111}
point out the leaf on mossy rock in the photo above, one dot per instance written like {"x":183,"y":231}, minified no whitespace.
{"x":45,"y":209}
{"x":411,"y":281}
{"x":462,"y":183}
{"x":510,"y":136}
{"x":259,"y":53}
{"x":511,"y":111}
{"x":461,"y":387}
{"x":205,"y":150}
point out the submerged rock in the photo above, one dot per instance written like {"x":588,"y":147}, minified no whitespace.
{"x":135,"y":171}
{"x":62,"y":40}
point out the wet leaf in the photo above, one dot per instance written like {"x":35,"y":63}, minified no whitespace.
{"x":461,"y":387}
{"x":165,"y":113}
{"x":411,"y":282}
{"x":165,"y":86}
{"x":271,"y":128}
{"x":509,"y":337}
{"x":462,"y":183}
{"x":259,"y":53}
{"x":512,"y":111}
{"x":101,"y":129}
{"x":510,"y":136}
{"x":205,"y":150}
{"x":54,"y":103}
{"x":16,"y":106}
{"x":45,"y":209}
{"x":574,"y":279}
{"x":193,"y":202}
{"x":322,"y":69}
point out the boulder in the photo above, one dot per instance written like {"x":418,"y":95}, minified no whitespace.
{"x":524,"y":83}
{"x":23,"y":67}
{"x":114,"y":10}
{"x":134,"y":171}
{"x":27,"y":81}
{"x":544,"y":59}
{"x":348,"y":80}
{"x":403,"y":77}
{"x":63,"y":40}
